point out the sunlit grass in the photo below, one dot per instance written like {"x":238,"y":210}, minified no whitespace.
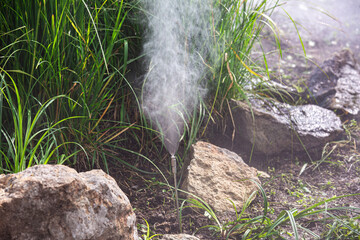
{"x":78,"y":50}
{"x":28,"y":138}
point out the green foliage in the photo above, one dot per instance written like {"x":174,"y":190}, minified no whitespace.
{"x":237,"y":33}
{"x":31,"y":138}
{"x":82,"y":49}
{"x":235,"y":36}
{"x":147,"y":231}
{"x":77,"y":49}
{"x":335,"y":226}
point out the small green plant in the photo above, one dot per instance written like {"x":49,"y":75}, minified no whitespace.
{"x":147,"y":233}
{"x":342,"y":228}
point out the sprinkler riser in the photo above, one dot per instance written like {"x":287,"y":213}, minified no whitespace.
{"x":173,"y":166}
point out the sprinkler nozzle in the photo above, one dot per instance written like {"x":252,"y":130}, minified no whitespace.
{"x":173,"y":165}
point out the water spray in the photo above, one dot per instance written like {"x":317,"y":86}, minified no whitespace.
{"x":176,"y":43}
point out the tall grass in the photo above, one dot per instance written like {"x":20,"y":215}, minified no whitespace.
{"x":236,"y":34}
{"x":82,"y":49}
{"x":78,"y":49}
{"x":29,"y":138}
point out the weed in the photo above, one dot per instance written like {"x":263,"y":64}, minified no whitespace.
{"x":147,"y":233}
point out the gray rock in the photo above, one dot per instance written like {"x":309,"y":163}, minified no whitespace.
{"x":336,"y":84}
{"x":178,"y":237}
{"x":275,"y":127}
{"x":56,"y":202}
{"x":217,"y":175}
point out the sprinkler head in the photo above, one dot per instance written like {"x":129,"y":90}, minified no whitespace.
{"x":173,"y":166}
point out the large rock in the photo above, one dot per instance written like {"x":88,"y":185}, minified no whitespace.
{"x":336,"y":84}
{"x":217,"y":175}
{"x":275,"y":127}
{"x":56,"y":202}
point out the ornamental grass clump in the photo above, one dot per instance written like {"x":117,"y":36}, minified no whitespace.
{"x":78,"y":50}
{"x":27,"y":136}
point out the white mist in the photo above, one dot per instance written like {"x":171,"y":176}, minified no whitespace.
{"x":177,"y":41}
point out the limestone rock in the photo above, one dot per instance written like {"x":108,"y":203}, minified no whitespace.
{"x":178,"y":237}
{"x":275,"y":127}
{"x":56,"y":202}
{"x":218,"y":175}
{"x":336,"y":84}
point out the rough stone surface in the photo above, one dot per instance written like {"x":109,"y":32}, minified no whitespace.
{"x":55,"y":202}
{"x":275,"y":127}
{"x":218,"y":175}
{"x":178,"y":237}
{"x":336,"y":84}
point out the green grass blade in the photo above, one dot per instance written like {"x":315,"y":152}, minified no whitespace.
{"x":97,"y":35}
{"x":293,"y":223}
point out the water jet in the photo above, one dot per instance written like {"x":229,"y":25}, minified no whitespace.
{"x":178,"y":39}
